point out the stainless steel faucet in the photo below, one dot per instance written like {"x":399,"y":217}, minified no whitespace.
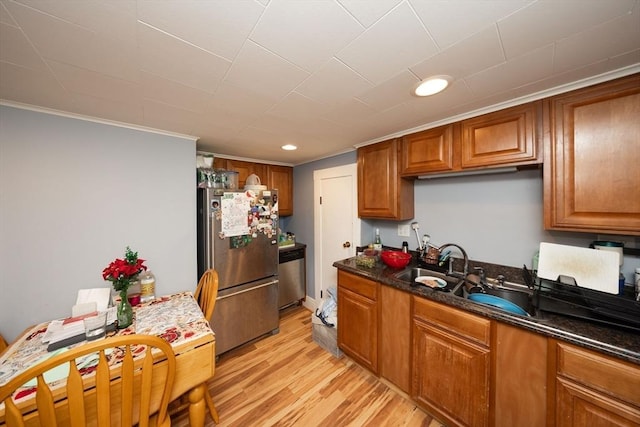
{"x":415,"y":226}
{"x":483,"y":277}
{"x":465,"y":270}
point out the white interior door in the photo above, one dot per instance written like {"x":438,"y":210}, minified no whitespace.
{"x":336,"y":222}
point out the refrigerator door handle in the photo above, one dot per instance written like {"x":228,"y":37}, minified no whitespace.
{"x":248,"y":289}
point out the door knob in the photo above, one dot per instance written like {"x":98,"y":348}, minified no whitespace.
{"x":346,"y":245}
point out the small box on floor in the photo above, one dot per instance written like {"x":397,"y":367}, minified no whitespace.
{"x":324,"y":336}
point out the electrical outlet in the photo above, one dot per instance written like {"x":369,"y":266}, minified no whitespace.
{"x":403,"y":230}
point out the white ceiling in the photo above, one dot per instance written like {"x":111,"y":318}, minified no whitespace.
{"x":246,"y":77}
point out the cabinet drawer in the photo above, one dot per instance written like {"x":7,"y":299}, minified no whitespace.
{"x":460,"y":322}
{"x":610,"y":376}
{"x":361,"y":286}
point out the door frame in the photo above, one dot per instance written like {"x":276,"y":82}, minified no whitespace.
{"x":318,"y":176}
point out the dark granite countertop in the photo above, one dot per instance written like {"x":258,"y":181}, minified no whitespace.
{"x":618,"y":343}
{"x":293,"y":247}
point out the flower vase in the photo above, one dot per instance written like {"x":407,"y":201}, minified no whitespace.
{"x":124,"y":311}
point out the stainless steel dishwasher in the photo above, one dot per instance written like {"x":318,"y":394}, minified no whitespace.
{"x":292,"y":275}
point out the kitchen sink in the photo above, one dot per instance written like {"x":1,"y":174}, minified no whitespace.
{"x":410,"y":274}
{"x":455,"y":286}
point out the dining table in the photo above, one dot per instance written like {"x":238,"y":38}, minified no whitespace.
{"x":176,"y":318}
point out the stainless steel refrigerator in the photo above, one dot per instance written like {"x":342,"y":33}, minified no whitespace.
{"x":238,"y":236}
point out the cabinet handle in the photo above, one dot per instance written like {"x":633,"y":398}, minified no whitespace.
{"x":346,"y":245}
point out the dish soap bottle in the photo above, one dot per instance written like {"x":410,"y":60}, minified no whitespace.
{"x":377,"y":243}
{"x":147,"y":286}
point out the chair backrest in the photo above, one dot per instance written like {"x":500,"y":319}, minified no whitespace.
{"x":3,"y":344}
{"x":207,"y":292}
{"x":133,"y":389}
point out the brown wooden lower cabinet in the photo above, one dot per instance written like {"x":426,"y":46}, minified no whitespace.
{"x":377,"y":327}
{"x":395,"y":336}
{"x":594,"y":390}
{"x":467,"y":370}
{"x":450,"y":364}
{"x":519,"y":384}
{"x":358,"y":319}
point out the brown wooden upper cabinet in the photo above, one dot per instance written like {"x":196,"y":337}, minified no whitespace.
{"x":273,"y":176}
{"x":592,"y":169}
{"x":382,"y":193}
{"x":506,"y":137}
{"x":244,"y":169}
{"x":281,"y":178}
{"x":431,"y":150}
{"x":509,"y":137}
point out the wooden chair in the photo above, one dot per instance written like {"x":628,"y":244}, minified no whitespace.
{"x":3,"y":344}
{"x":134,"y":388}
{"x":206,"y":294}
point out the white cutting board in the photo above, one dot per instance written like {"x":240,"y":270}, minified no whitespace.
{"x":591,"y":268}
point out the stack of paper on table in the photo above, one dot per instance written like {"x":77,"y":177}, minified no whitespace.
{"x":70,"y":330}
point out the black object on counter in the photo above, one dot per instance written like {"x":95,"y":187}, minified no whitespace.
{"x":528,"y":278}
{"x":601,"y":307}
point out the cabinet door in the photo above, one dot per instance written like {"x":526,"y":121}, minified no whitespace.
{"x":450,"y":376}
{"x":357,"y":330}
{"x":504,"y":137}
{"x":219,"y":163}
{"x":428,"y":151}
{"x":281,"y":178}
{"x":395,"y":332}
{"x":381,"y":191}
{"x":595,"y":390}
{"x":592,"y":173}
{"x":245,"y":169}
{"x":578,"y":406}
{"x":520,"y":385}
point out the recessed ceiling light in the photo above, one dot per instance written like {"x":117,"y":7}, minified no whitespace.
{"x":432,"y":85}
{"x":289,"y":147}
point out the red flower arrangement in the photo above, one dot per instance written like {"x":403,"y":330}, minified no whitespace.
{"x":122,"y":272}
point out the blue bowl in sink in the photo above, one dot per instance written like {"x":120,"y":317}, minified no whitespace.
{"x":497,"y":302}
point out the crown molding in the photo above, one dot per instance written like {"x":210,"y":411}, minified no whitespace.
{"x":69,"y":115}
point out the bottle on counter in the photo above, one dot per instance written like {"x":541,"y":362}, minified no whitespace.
{"x":147,"y":286}
{"x":133,"y":293}
{"x":405,"y":247}
{"x":534,"y":261}
{"x":377,"y":242}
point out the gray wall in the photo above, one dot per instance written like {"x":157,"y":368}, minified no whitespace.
{"x":73,"y":195}
{"x":301,"y":223}
{"x":495,"y":218}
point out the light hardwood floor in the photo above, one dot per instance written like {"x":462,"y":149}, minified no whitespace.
{"x":288,"y":380}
